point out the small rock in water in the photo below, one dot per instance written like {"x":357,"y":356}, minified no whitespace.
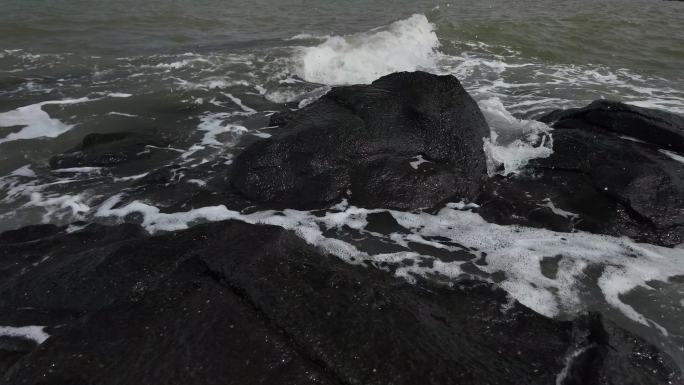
{"x":113,"y":150}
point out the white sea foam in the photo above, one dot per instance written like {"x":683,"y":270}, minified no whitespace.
{"x":308,"y":36}
{"x":180,"y":63}
{"x":405,"y":45}
{"x":262,"y":135}
{"x":630,"y":138}
{"x":512,"y":142}
{"x":673,"y":155}
{"x":530,"y":86}
{"x":59,"y":206}
{"x":569,"y":361}
{"x":122,"y":114}
{"x":36,"y":123}
{"x":303,"y":98}
{"x":419,"y":160}
{"x":516,"y":251}
{"x":33,"y":333}
{"x":33,"y":193}
{"x":85,"y":170}
{"x":216,"y":124}
{"x":548,"y":203}
{"x":130,"y":178}
{"x":197,"y":182}
{"x":24,"y":171}
{"x":209,"y":83}
{"x":239,"y":103}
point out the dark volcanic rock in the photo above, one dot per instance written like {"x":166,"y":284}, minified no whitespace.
{"x":107,"y":150}
{"x":231,"y":303}
{"x":597,"y":181}
{"x":661,"y":128}
{"x":363,"y":139}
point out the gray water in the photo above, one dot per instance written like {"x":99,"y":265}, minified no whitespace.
{"x":207,"y":74}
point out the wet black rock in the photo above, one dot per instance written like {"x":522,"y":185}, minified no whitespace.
{"x":599,"y":181}
{"x":232,"y":303}
{"x":661,"y":128}
{"x":407,"y":141}
{"x":108,"y":150}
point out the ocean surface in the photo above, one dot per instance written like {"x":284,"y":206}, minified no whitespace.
{"x":206,"y":75}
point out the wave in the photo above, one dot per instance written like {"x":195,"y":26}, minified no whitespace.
{"x":405,"y":45}
{"x":512,"y":142}
{"x":527,"y":86}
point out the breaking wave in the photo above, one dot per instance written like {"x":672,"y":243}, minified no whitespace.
{"x":405,"y":45}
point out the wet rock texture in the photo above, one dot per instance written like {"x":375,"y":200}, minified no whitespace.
{"x":658,"y":127}
{"x":612,"y":167}
{"x":232,"y":303}
{"x":360,"y":141}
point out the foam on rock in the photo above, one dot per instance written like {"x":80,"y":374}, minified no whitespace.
{"x":512,"y":142}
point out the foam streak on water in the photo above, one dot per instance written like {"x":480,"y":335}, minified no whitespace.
{"x":35,"y":122}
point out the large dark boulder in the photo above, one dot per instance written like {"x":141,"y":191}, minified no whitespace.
{"x":232,"y":303}
{"x":597,"y":179}
{"x":406,"y":141}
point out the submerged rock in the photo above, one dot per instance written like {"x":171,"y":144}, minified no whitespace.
{"x":407,"y":141}
{"x":232,"y":303}
{"x":598,"y":180}
{"x":108,"y":150}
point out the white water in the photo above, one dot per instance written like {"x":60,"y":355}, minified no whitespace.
{"x":33,"y":333}
{"x":36,"y":123}
{"x":512,"y":142}
{"x":525,"y":85}
{"x":405,"y":45}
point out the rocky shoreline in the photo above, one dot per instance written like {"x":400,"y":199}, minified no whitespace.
{"x":233,"y":302}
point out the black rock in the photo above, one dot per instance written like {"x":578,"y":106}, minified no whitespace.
{"x":281,"y":118}
{"x":661,"y":128}
{"x":108,"y":150}
{"x":598,"y":181}
{"x":232,"y":303}
{"x":363,"y":139}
